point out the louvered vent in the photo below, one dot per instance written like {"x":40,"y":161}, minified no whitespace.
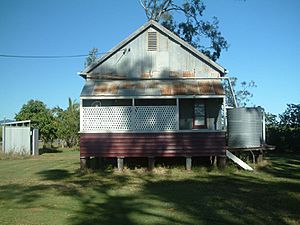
{"x":152,"y":41}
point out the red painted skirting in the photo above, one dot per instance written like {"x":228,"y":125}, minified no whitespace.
{"x":152,"y":144}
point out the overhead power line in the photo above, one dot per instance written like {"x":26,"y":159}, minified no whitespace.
{"x":45,"y":56}
{"x":42,"y":56}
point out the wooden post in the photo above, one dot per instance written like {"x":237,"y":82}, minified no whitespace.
{"x":221,"y":161}
{"x":259,"y":156}
{"x":151,"y":163}
{"x":3,"y":137}
{"x":35,"y":142}
{"x":188,"y":163}
{"x":120,"y":162}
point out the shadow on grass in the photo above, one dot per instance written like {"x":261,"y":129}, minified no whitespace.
{"x":136,"y":197}
{"x":49,"y":150}
{"x":284,"y":165}
{"x":26,"y":196}
{"x":54,"y":174}
{"x":213,"y":200}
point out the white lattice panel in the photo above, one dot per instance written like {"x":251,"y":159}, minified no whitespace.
{"x":133,"y":118}
{"x":155,"y":118}
{"x":107,"y":118}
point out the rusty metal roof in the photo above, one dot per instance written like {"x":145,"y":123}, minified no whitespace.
{"x":153,"y":87}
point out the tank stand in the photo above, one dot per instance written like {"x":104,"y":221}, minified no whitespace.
{"x":259,"y":156}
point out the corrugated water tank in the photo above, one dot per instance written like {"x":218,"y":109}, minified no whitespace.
{"x":245,"y":127}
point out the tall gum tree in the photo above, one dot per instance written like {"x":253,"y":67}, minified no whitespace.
{"x":203,"y":35}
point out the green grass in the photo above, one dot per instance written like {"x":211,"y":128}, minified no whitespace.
{"x":49,"y":189}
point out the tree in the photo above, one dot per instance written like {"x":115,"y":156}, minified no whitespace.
{"x":91,"y":58}
{"x":41,"y":117}
{"x":285,"y":134}
{"x":271,"y":120}
{"x":291,"y":116}
{"x":203,"y":35}
{"x":243,"y":92}
{"x":68,"y":123}
{"x":290,"y":127}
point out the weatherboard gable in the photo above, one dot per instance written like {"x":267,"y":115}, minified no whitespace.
{"x":153,"y":52}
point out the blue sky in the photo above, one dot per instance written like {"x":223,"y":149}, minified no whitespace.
{"x":263,"y":36}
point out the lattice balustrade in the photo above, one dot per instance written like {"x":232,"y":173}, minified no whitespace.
{"x":151,"y":118}
{"x":106,"y":118}
{"x":130,"y":118}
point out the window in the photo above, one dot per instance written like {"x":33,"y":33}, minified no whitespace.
{"x":152,"y":41}
{"x":199,"y":118}
{"x":96,"y":103}
{"x":155,"y":102}
{"x":106,"y":102}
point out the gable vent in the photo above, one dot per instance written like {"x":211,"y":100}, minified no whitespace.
{"x":152,"y":41}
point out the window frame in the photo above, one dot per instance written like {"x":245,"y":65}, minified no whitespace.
{"x":204,"y":126}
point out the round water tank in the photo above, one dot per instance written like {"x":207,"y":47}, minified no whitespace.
{"x":245,"y":127}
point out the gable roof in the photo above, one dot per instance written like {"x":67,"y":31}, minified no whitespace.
{"x":164,"y":30}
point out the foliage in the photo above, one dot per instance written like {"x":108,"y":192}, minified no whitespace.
{"x":285,"y":134}
{"x":203,"y":35}
{"x":91,"y":58}
{"x":41,"y":118}
{"x":242,"y":91}
{"x":243,"y":94}
{"x":53,"y":123}
{"x":291,"y":116}
{"x":273,"y":134}
{"x":51,"y":190}
{"x":68,"y":123}
{"x":271,"y":120}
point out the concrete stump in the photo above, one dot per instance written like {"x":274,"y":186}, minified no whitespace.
{"x":151,"y":163}
{"x":84,"y":162}
{"x":212,"y":160}
{"x":120,"y":163}
{"x":188,"y":163}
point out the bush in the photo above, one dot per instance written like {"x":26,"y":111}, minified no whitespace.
{"x":285,"y":134}
{"x":285,"y":139}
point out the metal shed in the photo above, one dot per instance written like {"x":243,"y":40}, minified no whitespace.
{"x":19,"y":138}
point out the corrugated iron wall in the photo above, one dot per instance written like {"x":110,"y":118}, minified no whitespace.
{"x":245,"y":127}
{"x":17,"y":140}
{"x":183,"y":144}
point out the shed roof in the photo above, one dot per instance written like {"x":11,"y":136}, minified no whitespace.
{"x":153,"y":87}
{"x":143,"y":28}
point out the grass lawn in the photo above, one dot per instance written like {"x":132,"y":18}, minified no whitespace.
{"x":49,"y":189}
